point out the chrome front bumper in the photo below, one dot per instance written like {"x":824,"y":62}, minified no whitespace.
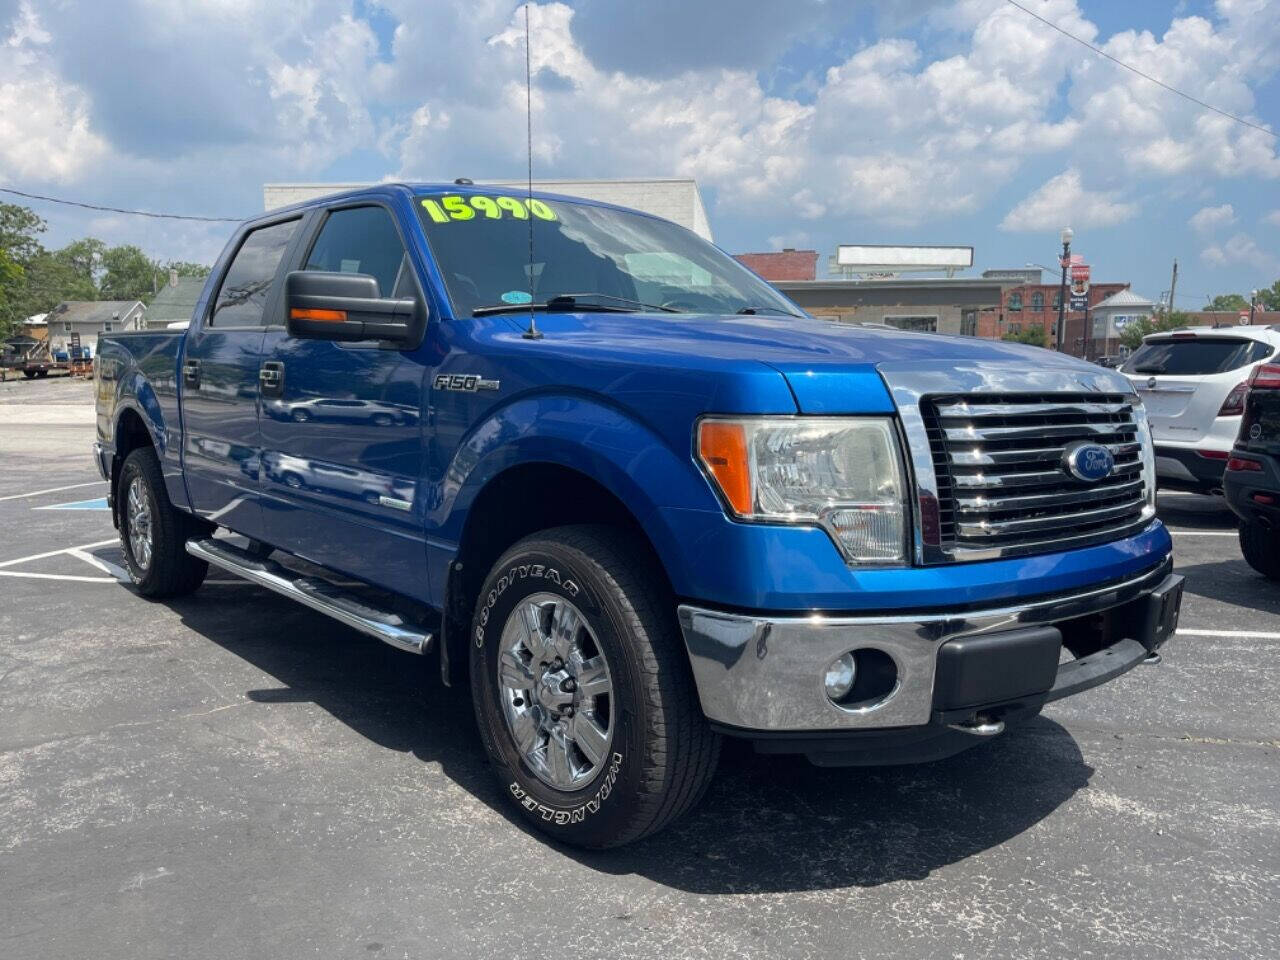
{"x":764,"y":673}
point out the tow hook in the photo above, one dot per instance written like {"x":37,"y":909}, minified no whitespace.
{"x":980,"y":726}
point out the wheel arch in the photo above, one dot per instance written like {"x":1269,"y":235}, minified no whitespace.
{"x":521,"y":500}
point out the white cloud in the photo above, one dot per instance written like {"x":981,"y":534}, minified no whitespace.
{"x":1241,"y":251}
{"x":1208,"y":219}
{"x":1064,"y":201}
{"x":231,"y":93}
{"x":1272,"y":218}
{"x":45,"y":128}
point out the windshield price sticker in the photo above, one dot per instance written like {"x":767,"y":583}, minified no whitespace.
{"x":454,"y":207}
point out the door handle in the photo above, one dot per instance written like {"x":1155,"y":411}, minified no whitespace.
{"x":191,"y":374}
{"x":271,"y":377}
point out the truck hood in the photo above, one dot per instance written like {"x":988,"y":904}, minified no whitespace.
{"x":830,"y":367}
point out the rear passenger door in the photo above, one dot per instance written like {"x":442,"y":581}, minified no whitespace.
{"x":341,"y":428}
{"x":220,"y":361}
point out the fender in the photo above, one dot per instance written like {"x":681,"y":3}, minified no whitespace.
{"x":136,"y":393}
{"x":583,"y":433}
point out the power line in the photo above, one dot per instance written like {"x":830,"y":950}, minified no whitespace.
{"x":132,"y":213}
{"x":1145,"y":76}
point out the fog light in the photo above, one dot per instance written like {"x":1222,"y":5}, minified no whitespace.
{"x":840,"y":676}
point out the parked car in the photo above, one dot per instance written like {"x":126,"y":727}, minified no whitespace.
{"x":1192,"y":383}
{"x":646,"y":503}
{"x":1252,"y":480}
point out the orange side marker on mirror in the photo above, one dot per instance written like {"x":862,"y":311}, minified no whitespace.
{"x":324,"y":316}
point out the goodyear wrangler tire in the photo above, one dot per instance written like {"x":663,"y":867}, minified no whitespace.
{"x":154,"y":533}
{"x":582,"y":689}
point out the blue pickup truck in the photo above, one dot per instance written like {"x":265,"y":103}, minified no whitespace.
{"x":633,"y":495}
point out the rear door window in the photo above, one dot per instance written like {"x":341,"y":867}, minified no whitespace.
{"x":242,"y":298}
{"x":1195,"y":356}
{"x":363,"y":240}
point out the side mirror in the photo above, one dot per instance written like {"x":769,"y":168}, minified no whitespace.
{"x":346,"y":307}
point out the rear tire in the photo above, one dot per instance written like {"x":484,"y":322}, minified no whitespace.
{"x":609,"y":654}
{"x":154,"y":533}
{"x":1261,"y":549}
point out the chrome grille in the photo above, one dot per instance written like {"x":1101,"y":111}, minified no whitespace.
{"x":1002,"y":488}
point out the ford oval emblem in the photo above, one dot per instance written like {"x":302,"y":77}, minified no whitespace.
{"x":1089,"y":462}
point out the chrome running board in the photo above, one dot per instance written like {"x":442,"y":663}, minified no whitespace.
{"x":315,"y":593}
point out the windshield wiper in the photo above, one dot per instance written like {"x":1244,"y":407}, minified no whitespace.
{"x":574,"y":301}
{"x":755,"y":310}
{"x":1148,"y":368}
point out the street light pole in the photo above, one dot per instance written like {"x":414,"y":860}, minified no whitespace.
{"x":1062,"y":292}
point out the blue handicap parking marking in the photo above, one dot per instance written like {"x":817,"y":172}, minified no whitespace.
{"x":98,"y":504}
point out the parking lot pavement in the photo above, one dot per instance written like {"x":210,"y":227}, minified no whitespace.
{"x":230,"y":775}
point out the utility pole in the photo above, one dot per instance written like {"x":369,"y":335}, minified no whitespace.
{"x":1062,"y":291}
{"x":1173,"y":285}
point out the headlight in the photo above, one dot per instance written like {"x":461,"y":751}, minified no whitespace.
{"x":1147,"y":454}
{"x":842,"y":473}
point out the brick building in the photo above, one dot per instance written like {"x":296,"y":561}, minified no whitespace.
{"x":1030,"y":305}
{"x":786,"y":264}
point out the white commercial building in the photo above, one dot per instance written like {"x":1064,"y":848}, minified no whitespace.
{"x":1112,"y":315}
{"x":674,"y":199}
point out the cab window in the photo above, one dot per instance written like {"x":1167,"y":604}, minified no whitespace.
{"x":242,"y":297}
{"x":363,"y":240}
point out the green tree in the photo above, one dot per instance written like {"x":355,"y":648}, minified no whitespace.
{"x":1269,"y":297}
{"x":20,"y":229}
{"x":128,"y":274}
{"x":1034,"y":335}
{"x":1131,"y":336}
{"x":184,"y":268}
{"x":1225,"y":302}
{"x":84,"y":259}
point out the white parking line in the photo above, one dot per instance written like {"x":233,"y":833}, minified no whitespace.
{"x":1241,"y":634}
{"x":37,"y":493}
{"x":106,"y":566}
{"x":55,"y":576}
{"x":54,"y":553}
{"x":1204,"y":533}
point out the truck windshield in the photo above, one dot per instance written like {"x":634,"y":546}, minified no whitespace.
{"x":586,"y":255}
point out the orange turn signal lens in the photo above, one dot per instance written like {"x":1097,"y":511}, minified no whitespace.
{"x":324,"y":316}
{"x":722,"y":445}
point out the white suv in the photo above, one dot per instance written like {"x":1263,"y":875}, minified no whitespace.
{"x":1192,"y":382}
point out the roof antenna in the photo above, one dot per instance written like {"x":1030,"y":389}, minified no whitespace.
{"x":532,"y":333}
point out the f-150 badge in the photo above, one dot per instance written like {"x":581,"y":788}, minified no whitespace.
{"x":466,"y":382}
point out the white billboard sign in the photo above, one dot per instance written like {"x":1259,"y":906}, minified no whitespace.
{"x":872,"y":257}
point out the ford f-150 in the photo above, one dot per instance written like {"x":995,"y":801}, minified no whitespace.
{"x":633,"y":495}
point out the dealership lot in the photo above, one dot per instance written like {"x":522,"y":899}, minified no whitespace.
{"x":230,"y":775}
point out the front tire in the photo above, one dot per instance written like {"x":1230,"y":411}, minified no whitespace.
{"x":1261,"y":549}
{"x":154,"y":533}
{"x":582,"y":689}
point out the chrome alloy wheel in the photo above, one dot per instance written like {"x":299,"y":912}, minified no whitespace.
{"x":139,"y":518}
{"x":557,"y":694}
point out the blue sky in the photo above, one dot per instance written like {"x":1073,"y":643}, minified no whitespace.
{"x":807,"y":123}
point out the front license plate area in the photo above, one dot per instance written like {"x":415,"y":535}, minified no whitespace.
{"x":1164,"y":606}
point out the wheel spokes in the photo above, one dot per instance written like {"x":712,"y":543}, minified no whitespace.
{"x":593,"y":677}
{"x":591,"y":739}
{"x":514,"y":672}
{"x":565,"y":624}
{"x":535,"y":638}
{"x":558,"y":765}
{"x":525,"y":732}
